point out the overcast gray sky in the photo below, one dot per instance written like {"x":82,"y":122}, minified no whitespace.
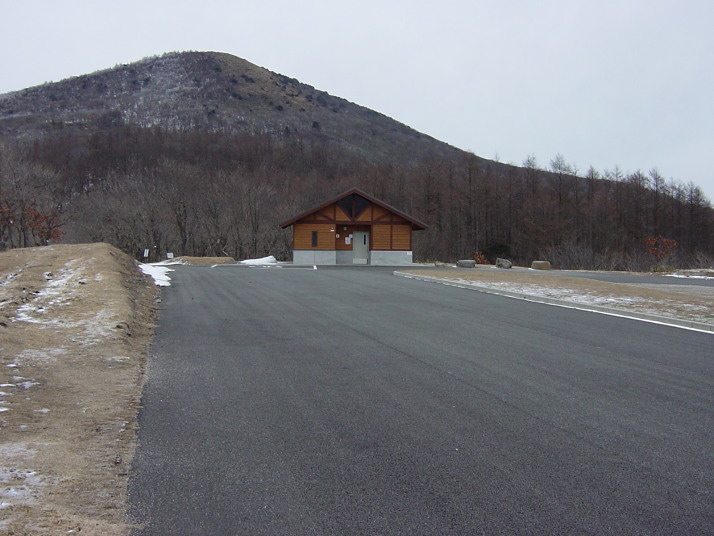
{"x":625,"y":83}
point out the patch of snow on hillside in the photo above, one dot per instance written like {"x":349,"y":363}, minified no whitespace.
{"x":18,"y":485}
{"x":55,"y":294}
{"x":63,"y":288}
{"x":38,"y":357}
{"x":9,"y":277}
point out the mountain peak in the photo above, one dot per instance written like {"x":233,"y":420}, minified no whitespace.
{"x":213,"y":91}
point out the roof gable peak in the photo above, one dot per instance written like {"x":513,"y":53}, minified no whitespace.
{"x":353,"y":202}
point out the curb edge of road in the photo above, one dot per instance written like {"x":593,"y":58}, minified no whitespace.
{"x":675,"y":322}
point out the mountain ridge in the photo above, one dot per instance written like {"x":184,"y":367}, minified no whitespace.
{"x":217,"y":92}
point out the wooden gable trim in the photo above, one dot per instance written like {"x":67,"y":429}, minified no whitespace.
{"x":389,"y":217}
{"x":328,"y":217}
{"x":355,"y":222}
{"x":416,"y":224}
{"x":340,"y":215}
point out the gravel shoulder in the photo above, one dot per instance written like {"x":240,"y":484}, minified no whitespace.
{"x":683,"y":302}
{"x":75,"y":325}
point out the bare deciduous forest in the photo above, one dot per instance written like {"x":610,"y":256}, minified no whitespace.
{"x":194,"y":192}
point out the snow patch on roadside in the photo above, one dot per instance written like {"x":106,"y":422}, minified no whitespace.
{"x":159,"y":273}
{"x":689,"y":276}
{"x":586,"y":298}
{"x":269,"y":260}
{"x":170,"y":262}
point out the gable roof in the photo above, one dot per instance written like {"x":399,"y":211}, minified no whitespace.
{"x":416,"y":224}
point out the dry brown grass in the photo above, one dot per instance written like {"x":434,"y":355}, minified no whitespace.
{"x":204,"y":261}
{"x":75,"y":324}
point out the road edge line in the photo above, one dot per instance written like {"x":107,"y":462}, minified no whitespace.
{"x":612,"y":311}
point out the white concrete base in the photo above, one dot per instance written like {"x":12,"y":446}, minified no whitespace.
{"x":344,"y":256}
{"x":391,"y":258}
{"x":376,"y":258}
{"x":317,"y":257}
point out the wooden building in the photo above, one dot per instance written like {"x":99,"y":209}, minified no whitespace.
{"x":353,"y":228}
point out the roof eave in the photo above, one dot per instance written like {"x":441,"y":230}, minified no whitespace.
{"x":416,"y":224}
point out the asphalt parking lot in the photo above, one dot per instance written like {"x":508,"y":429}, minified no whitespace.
{"x":299,"y":401}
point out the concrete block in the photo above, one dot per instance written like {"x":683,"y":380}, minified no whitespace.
{"x":540,"y":265}
{"x":466,"y":263}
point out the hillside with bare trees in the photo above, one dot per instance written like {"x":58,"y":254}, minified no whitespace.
{"x":204,"y":154}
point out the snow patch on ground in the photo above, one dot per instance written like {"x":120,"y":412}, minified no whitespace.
{"x":581,"y":297}
{"x":24,"y":383}
{"x":20,"y":383}
{"x":18,"y":485}
{"x":42,"y":312}
{"x":54,"y":294}
{"x":169,"y":262}
{"x":269,"y":260}
{"x":61,"y":290}
{"x":159,"y":272}
{"x":38,"y":357}
{"x":689,"y":276}
{"x":5,"y":280}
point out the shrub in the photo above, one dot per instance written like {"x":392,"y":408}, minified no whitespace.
{"x":480,"y":258}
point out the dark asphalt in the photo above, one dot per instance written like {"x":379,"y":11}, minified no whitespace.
{"x":329,"y":402}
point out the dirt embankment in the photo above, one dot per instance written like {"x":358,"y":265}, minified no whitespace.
{"x":75,"y":324}
{"x":203,"y":261}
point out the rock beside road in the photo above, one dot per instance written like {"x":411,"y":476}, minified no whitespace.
{"x":504,"y":263}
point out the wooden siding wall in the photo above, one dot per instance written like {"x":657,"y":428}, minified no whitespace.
{"x":401,"y":237}
{"x":388,"y":231}
{"x":391,"y":237}
{"x":302,"y":236}
{"x":381,"y":237}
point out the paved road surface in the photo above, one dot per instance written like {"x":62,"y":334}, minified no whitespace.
{"x":296,"y":402}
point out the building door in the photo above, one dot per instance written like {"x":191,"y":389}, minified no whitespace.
{"x":360,"y":247}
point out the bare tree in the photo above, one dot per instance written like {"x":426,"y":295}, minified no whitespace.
{"x":30,"y":210}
